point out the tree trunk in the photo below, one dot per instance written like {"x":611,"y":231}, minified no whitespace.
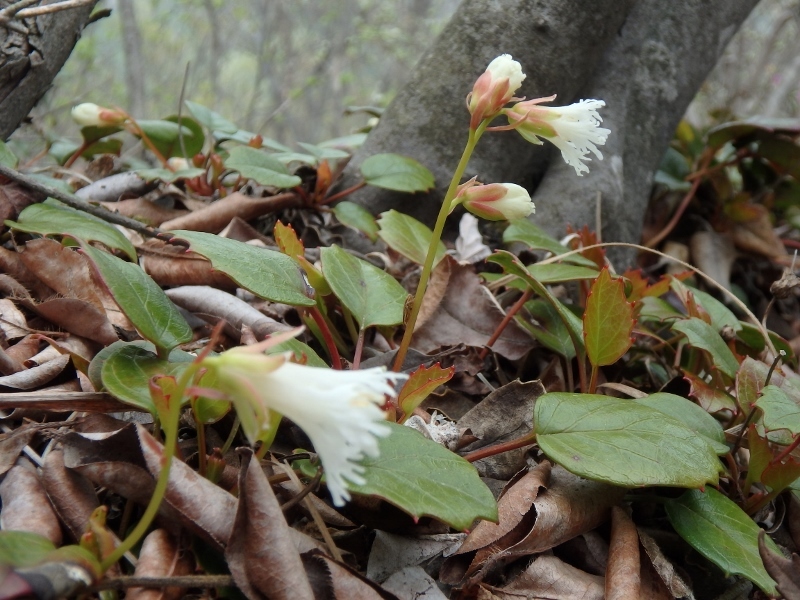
{"x":646,"y":59}
{"x":132,"y":53}
{"x":33,"y":52}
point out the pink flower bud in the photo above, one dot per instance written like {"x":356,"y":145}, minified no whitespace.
{"x":574,"y":129}
{"x":495,"y":201}
{"x":494,"y":89}
{"x":89,"y":114}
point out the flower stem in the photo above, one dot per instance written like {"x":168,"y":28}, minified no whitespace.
{"x":474,"y":136}
{"x":506,"y":320}
{"x":521,"y":442}
{"x":170,"y":443}
{"x":336,"y":360}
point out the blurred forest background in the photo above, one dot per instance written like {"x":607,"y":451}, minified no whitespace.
{"x":305,"y":70}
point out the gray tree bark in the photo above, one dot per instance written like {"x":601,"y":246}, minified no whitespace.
{"x":32,"y":52}
{"x":646,"y":59}
{"x":134,"y":61}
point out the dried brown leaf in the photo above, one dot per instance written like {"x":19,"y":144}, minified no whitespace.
{"x":391,"y":552}
{"x":551,"y":578}
{"x":785,"y":572}
{"x":71,"y":494}
{"x":623,"y":581}
{"x":757,"y":235}
{"x":26,"y":506}
{"x":666,"y":571}
{"x":214,"y":217}
{"x":505,"y":414}
{"x":12,"y":443}
{"x":160,"y":556}
{"x":335,"y":581}
{"x":36,"y":376}
{"x":262,"y":558}
{"x":172,"y":265}
{"x":458,"y":309}
{"x":144,"y":210}
{"x":714,"y":254}
{"x":13,"y":323}
{"x":413,"y":582}
{"x":79,"y":317}
{"x":13,"y":198}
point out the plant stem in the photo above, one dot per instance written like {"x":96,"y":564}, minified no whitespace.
{"x":359,"y":349}
{"x":170,"y":443}
{"x":472,"y":140}
{"x":593,"y":380}
{"x":201,"y":442}
{"x":521,"y":442}
{"x":336,"y":360}
{"x":506,"y":320}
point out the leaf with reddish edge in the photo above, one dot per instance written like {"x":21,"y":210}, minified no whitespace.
{"x":287,"y":240}
{"x":780,"y":411}
{"x":607,"y":321}
{"x":420,"y":384}
{"x":780,"y":475}
{"x":760,"y":455}
{"x":585,"y":238}
{"x":750,"y":379}
{"x":641,"y":287}
{"x":712,"y":399}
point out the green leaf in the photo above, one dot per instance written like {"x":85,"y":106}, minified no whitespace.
{"x":323,"y":152}
{"x":701,"y":335}
{"x":126,"y":369}
{"x":261,"y":167}
{"x":607,"y":321}
{"x":622,"y":442}
{"x":210,"y":119}
{"x":371,"y":295}
{"x":721,"y":134}
{"x":691,"y":415}
{"x":573,"y":324}
{"x":193,"y":138}
{"x":395,"y":172}
{"x":7,"y":158}
{"x":522,"y":230}
{"x":153,"y":314}
{"x":561,"y":273}
{"x":549,"y":330}
{"x":657,"y":309}
{"x":408,"y":236}
{"x":721,"y":315}
{"x":94,"y":133}
{"x":267,"y":273}
{"x":163,"y":131}
{"x":20,"y":549}
{"x":359,"y":218}
{"x":721,"y":531}
{"x":424,"y":478}
{"x":780,"y":411}
{"x":54,"y":218}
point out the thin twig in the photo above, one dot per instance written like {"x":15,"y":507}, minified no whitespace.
{"x":9,"y":11}
{"x":75,"y":202}
{"x":51,"y":8}
{"x":182,"y":581}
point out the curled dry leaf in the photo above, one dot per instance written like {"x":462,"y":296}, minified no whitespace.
{"x":390,"y":552}
{"x":145,"y":211}
{"x":261,"y":555}
{"x":13,"y":324}
{"x":71,"y":494}
{"x":784,"y":571}
{"x":757,"y":235}
{"x":570,"y":506}
{"x":714,"y":254}
{"x":37,"y":376}
{"x":214,"y":217}
{"x":214,"y":305}
{"x":25,"y":348}
{"x":550,"y":577}
{"x":8,"y":365}
{"x":26,"y":506}
{"x":459,"y":309}
{"x":623,"y":581}
{"x":331,"y":579}
{"x":161,"y":556}
{"x":665,"y":569}
{"x":172,"y":265}
{"x":12,"y":443}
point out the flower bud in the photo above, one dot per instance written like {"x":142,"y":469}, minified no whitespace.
{"x":573,"y":129}
{"x":89,"y":114}
{"x":495,"y":201}
{"x":494,"y":89}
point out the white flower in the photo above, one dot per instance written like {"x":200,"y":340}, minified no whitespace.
{"x":495,"y":201}
{"x":573,"y":129}
{"x":338,"y":410}
{"x":494,"y":89}
{"x":89,"y":114}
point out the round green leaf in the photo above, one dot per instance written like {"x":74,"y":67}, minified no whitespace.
{"x":211,"y":120}
{"x":193,"y":139}
{"x":549,"y":330}
{"x":424,"y":478}
{"x":408,"y":236}
{"x":359,"y":218}
{"x":153,"y":314}
{"x":522,"y":230}
{"x":780,"y":411}
{"x":721,"y":531}
{"x":622,"y":442}
{"x":7,"y":158}
{"x":54,"y":218}
{"x":371,"y":295}
{"x":162,"y":131}
{"x":268,"y":274}
{"x":395,"y":172}
{"x":260,"y":167}
{"x":701,"y":335}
